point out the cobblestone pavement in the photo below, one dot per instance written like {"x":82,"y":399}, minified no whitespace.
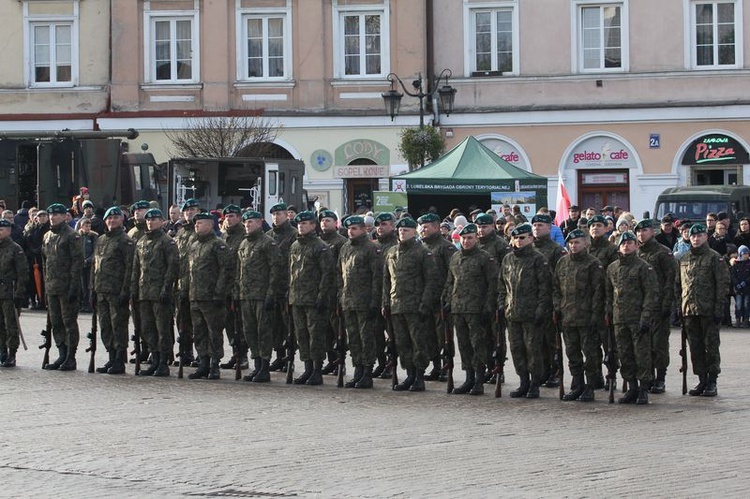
{"x":92,"y":435}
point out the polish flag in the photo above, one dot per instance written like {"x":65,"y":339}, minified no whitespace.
{"x":563,"y":202}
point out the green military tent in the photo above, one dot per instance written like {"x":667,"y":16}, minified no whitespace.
{"x":466,"y":177}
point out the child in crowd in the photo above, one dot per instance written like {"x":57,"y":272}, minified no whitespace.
{"x":740,"y":272}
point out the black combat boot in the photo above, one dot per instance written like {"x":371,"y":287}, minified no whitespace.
{"x":244,"y":362}
{"x":232,"y":362}
{"x":359,"y":371}
{"x":3,"y":354}
{"x":108,"y":364}
{"x":709,"y":391}
{"x":214,"y":371}
{"x":522,"y":389}
{"x":10,"y":359}
{"x":576,"y":388}
{"x":436,"y":369}
{"x":553,"y":381}
{"x":698,"y":390}
{"x":316,"y":378}
{"x":278,"y":362}
{"x":332,"y":363}
{"x":598,"y":383}
{"x":468,"y":384}
{"x":302,"y":379}
{"x":631,"y":395}
{"x":118,"y":365}
{"x":162,"y":370}
{"x":659,"y":384}
{"x":387,"y":372}
{"x":588,"y":394}
{"x":418,"y":385}
{"x":642,"y":394}
{"x":262,"y":374}
{"x":70,"y":361}
{"x":408,"y":380}
{"x":62,"y":355}
{"x":478,"y":388}
{"x":155,"y":359}
{"x":256,"y":370}
{"x":366,"y":380}
{"x":202,"y":370}
{"x":533,"y":392}
{"x":381,"y":367}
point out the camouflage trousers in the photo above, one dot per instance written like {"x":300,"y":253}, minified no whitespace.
{"x":582,"y":342}
{"x":256,"y":324}
{"x":64,"y":319}
{"x":472,"y":339}
{"x":495,"y":340}
{"x":208,"y":323}
{"x":233,"y":327}
{"x":634,"y":352}
{"x":703,"y":339}
{"x":185,"y":323}
{"x":280,"y":322}
{"x":8,"y":325}
{"x":156,"y":325}
{"x":332,"y":332}
{"x":379,"y":335}
{"x":411,"y":340}
{"x":309,"y":328}
{"x":113,"y":321}
{"x":360,"y":337}
{"x":525,"y":340}
{"x":549,"y":345}
{"x":435,"y":337}
{"x":660,"y":331}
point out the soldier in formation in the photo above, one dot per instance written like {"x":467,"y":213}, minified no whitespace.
{"x":14,"y":275}
{"x":330,"y":235}
{"x":233,"y":233}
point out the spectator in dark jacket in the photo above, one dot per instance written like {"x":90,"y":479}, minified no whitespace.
{"x":720,"y":238}
{"x":669,"y":233}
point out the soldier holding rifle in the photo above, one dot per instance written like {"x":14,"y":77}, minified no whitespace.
{"x":14,"y":275}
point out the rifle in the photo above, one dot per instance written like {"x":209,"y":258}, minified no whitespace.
{"x":20,"y":331}
{"x":611,"y":363}
{"x":92,"y":342}
{"x":449,"y":350}
{"x":390,"y":350}
{"x":291,"y":348}
{"x":683,"y":354}
{"x":559,"y":357}
{"x":180,"y":339}
{"x":340,"y":348}
{"x":237,"y":332}
{"x":47,"y":335}
{"x":499,"y":359}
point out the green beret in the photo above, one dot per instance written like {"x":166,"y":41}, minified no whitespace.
{"x":484,"y":219}
{"x":252,"y":215}
{"x":303,"y":216}
{"x":646,"y":223}
{"x":153,"y":213}
{"x":140,"y":205}
{"x":114,"y":211}
{"x":428,"y":217}
{"x":524,"y":228}
{"x":354,"y":220}
{"x":190,"y":203}
{"x":4,"y":223}
{"x":626,"y":236}
{"x":327,"y":214}
{"x":57,"y":208}
{"x":231,"y":208}
{"x":384,"y":217}
{"x":203,"y":216}
{"x":468,"y":229}
{"x":541,"y":218}
{"x":278,"y":207}
{"x":407,"y":222}
{"x":697,"y":229}
{"x":575,"y":234}
{"x":597,"y":219}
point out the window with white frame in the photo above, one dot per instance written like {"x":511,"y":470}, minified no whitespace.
{"x":492,"y":33}
{"x":361,"y":41}
{"x":602,"y":31}
{"x":265,"y":49}
{"x":714,"y":34}
{"x":173,"y":49}
{"x":51,"y":50}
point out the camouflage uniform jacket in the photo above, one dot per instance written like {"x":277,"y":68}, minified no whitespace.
{"x":185,"y":237}
{"x":660,"y":258}
{"x":284,"y":235}
{"x":258,"y":269}
{"x":632,"y":290}
{"x":63,"y":260}
{"x":702,"y":283}
{"x":112,"y":268}
{"x":234,"y":236}
{"x":311,"y":272}
{"x":471,"y":285}
{"x":409,"y":279}
{"x":443,"y":251}
{"x":209,"y":268}
{"x":550,"y":249}
{"x":138,"y":231}
{"x":578,"y":290}
{"x":387,"y":241}
{"x":496,"y":246}
{"x":605,"y":251}
{"x":525,"y":285}
{"x":361,"y":274}
{"x":155,"y":266}
{"x":13,"y":269}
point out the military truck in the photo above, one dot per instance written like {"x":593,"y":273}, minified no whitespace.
{"x":695,"y":202}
